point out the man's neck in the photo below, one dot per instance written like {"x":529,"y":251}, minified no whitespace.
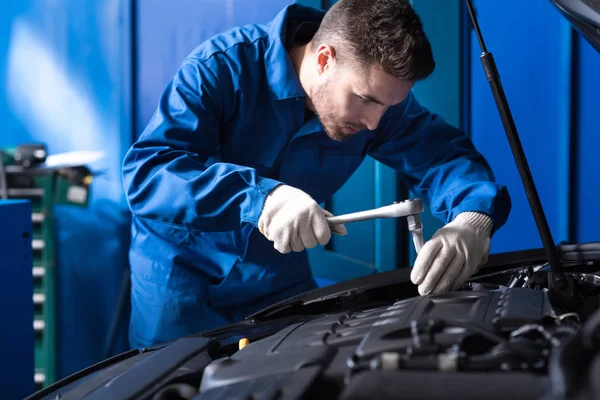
{"x":298,"y":54}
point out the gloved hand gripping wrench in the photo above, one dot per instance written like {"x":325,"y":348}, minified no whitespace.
{"x":408,"y":208}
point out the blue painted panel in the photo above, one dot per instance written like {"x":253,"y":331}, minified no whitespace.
{"x":169,"y":31}
{"x":16,"y":290}
{"x":63,"y":81}
{"x":588,"y":149}
{"x":387,"y":237}
{"x":531,"y":59}
{"x":357,"y":194}
{"x":441,"y":91}
{"x":333,"y":266}
{"x":322,"y":282}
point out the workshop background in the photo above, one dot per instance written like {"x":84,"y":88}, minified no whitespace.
{"x":86,"y":75}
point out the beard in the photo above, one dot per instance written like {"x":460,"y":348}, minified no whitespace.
{"x":333,"y":128}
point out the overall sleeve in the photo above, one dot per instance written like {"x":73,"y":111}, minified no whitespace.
{"x":171,"y":174}
{"x":439,"y":164}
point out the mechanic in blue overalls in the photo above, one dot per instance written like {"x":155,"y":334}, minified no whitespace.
{"x":259,"y":126}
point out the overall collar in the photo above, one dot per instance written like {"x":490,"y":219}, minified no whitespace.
{"x":281,"y":75}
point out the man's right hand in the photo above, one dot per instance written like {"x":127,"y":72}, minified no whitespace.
{"x":294,"y":221}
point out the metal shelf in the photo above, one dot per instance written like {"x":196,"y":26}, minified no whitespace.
{"x":28,"y":192}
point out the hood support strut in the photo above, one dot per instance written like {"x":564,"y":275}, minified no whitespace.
{"x":561,"y":288}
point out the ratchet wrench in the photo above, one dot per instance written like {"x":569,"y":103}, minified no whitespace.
{"x":408,"y":208}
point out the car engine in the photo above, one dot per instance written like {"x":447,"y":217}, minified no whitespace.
{"x":498,"y":337}
{"x":409,"y":349}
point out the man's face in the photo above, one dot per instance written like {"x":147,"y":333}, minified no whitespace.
{"x":350,"y":99}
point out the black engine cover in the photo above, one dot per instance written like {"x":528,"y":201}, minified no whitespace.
{"x":292,"y":360}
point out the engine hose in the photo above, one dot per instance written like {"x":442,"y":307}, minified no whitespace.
{"x":474,"y":328}
{"x":568,"y":329}
{"x":535,"y":328}
{"x":524,"y":352}
{"x":490,"y":360}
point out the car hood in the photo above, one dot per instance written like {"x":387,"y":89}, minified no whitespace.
{"x":584,"y":15}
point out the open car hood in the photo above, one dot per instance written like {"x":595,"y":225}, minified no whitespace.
{"x":584,"y":15}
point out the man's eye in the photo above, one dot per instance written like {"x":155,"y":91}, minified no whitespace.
{"x":365,"y":100}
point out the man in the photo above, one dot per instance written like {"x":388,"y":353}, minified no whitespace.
{"x":260,"y":125}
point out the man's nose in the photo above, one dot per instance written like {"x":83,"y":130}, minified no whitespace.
{"x":371,"y":120}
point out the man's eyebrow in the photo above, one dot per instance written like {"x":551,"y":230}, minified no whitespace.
{"x":373,"y":99}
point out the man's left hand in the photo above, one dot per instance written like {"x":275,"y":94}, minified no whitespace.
{"x":453,"y":254}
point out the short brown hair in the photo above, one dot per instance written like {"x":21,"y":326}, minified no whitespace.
{"x":388,"y":32}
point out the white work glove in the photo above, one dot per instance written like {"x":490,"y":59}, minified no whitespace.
{"x":294,"y":221}
{"x":453,"y":254}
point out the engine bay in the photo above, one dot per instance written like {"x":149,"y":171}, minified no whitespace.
{"x":510,"y":330}
{"x":498,"y":337}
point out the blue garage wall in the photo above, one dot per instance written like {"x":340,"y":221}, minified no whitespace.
{"x":12,"y":127}
{"x":64,"y":80}
{"x":529,"y":58}
{"x":536,"y":62}
{"x":586,"y":188}
{"x":168,"y":31}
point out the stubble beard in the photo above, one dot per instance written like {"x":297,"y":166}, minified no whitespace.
{"x":320,"y":103}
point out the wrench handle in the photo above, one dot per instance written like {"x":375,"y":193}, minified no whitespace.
{"x":353,"y":217}
{"x":396,"y":210}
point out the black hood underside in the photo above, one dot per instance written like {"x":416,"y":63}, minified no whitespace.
{"x":584,"y":15}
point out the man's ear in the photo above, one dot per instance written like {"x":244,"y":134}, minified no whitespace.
{"x":325,"y":58}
